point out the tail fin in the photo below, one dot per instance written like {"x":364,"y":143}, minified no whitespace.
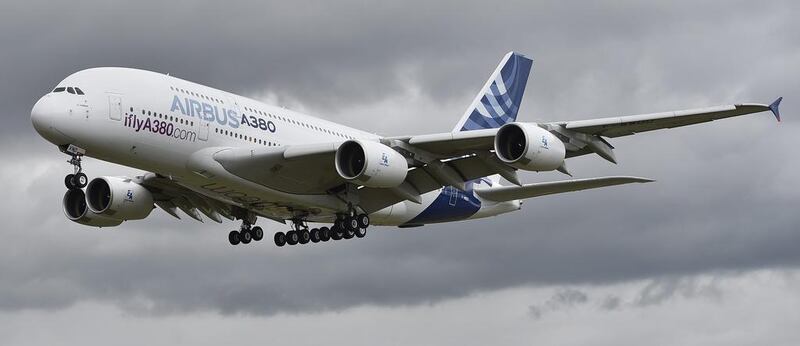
{"x":498,"y":102}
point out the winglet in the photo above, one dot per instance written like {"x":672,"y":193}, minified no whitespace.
{"x":774,"y":108}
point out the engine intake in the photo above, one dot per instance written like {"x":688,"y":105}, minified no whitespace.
{"x":529,"y":147}
{"x":75,"y":209}
{"x":119,"y":198}
{"x":370,"y":164}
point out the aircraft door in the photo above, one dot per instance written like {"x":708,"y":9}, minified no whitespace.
{"x":453,"y":196}
{"x":114,"y":107}
{"x":202,"y":129}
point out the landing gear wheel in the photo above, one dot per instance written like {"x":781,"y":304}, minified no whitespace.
{"x":361,"y":232}
{"x":280,"y":239}
{"x":257,"y":233}
{"x":245,"y":236}
{"x":233,"y":237}
{"x":292,"y":238}
{"x":69,"y":182}
{"x":351,"y":224}
{"x":363,"y":220}
{"x":305,"y":236}
{"x":324,"y":234}
{"x":315,"y":235}
{"x":349,"y":234}
{"x":81,"y":180}
{"x":336,"y":233}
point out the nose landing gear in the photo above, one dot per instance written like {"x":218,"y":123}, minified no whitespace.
{"x":78,"y":179}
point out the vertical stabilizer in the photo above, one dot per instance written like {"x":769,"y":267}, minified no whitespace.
{"x":498,"y":102}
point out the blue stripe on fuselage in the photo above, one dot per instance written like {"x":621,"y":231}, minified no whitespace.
{"x":450,"y":205}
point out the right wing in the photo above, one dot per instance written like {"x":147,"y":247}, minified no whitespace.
{"x":510,"y":193}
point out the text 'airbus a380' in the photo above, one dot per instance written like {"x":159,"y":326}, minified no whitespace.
{"x":227,"y":156}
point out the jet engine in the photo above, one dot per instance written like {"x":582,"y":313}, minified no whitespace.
{"x":370,"y":164}
{"x":118,"y":198}
{"x":76,"y":210}
{"x":529,"y":147}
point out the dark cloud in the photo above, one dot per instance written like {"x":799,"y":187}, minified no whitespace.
{"x":563,"y":299}
{"x":725,"y":198}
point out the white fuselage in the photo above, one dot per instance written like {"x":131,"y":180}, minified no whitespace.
{"x":172,"y":127}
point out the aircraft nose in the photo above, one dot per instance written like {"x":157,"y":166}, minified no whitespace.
{"x":44,"y":116}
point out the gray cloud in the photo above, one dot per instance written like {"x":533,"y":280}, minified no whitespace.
{"x":725,"y":198}
{"x":564,"y":298}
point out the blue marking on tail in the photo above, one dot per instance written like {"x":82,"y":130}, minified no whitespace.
{"x":499,"y":101}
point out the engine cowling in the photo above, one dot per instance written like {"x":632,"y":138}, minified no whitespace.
{"x":75,"y":209}
{"x":529,"y":147}
{"x":118,"y":198}
{"x":370,"y":164}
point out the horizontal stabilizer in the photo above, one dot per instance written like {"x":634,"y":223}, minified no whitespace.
{"x":509,"y":193}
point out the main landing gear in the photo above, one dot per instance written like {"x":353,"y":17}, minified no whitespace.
{"x":77,"y":180}
{"x":246,"y":234}
{"x":345,"y":227}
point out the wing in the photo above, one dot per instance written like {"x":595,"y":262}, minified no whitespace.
{"x":298,"y":169}
{"x":628,"y":125}
{"x":171,"y":197}
{"x":585,"y":136}
{"x":508,"y":193}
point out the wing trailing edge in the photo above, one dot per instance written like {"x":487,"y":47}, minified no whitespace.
{"x":510,"y":193}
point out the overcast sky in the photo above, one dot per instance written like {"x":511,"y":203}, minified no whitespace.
{"x":706,"y":255}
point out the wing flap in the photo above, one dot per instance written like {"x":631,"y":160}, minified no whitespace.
{"x":508,"y":193}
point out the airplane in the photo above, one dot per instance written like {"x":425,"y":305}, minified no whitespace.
{"x":223,"y":156}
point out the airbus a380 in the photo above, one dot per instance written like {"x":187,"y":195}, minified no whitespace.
{"x":224,"y":156}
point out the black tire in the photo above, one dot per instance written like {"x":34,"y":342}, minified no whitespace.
{"x":292,"y":238}
{"x":233,"y":238}
{"x":336,"y":233}
{"x":363,"y":220}
{"x":280,"y":239}
{"x":351,"y":224}
{"x":315,"y":235}
{"x":361,"y":232}
{"x":348,"y":234}
{"x":305,"y":236}
{"x":81,"y":180}
{"x":257,"y":233}
{"x":245,"y":236}
{"x":69,"y":181}
{"x":324,"y":234}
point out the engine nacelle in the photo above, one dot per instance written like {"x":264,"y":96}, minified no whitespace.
{"x":119,"y":198}
{"x":76,"y":210}
{"x":370,"y":164}
{"x":529,"y":147}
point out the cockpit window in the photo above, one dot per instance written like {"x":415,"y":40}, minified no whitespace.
{"x":70,"y":90}
{"x":79,"y":91}
{"x":59,"y":89}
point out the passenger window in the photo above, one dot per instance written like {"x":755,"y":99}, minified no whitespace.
{"x":59,"y":89}
{"x":79,"y":91}
{"x":70,"y":90}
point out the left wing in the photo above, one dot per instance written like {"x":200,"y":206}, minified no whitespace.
{"x":586,"y":136}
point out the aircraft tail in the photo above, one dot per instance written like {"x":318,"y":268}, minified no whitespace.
{"x":498,"y":102}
